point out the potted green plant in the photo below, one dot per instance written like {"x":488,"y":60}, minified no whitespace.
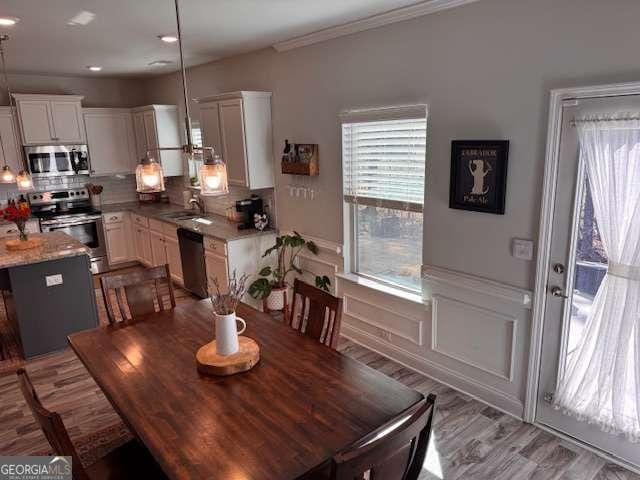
{"x":273,"y":282}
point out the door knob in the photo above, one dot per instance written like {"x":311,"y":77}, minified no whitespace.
{"x":558,"y":292}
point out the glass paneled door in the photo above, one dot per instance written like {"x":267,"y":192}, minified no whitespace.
{"x":590,"y":363}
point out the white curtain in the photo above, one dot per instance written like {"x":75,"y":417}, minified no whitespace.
{"x":600,"y":383}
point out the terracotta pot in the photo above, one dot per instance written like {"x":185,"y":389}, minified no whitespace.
{"x":275,"y":300}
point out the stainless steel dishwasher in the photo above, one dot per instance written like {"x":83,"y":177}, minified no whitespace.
{"x":194,"y":271}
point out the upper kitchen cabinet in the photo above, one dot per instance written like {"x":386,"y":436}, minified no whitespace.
{"x":50,"y":119}
{"x":111,"y":140}
{"x":238,"y":126}
{"x":11,"y":149}
{"x":157,"y":126}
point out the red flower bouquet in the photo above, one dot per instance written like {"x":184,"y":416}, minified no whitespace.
{"x":18,"y":214}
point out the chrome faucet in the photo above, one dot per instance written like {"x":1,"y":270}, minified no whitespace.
{"x":196,"y":200}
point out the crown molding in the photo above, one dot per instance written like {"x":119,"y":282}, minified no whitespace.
{"x":398,"y":15}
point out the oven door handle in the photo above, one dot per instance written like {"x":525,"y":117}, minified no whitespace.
{"x":84,"y":221}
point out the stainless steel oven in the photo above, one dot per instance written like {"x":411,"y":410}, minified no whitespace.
{"x":86,"y":229}
{"x":70,"y":211}
{"x":56,"y":160}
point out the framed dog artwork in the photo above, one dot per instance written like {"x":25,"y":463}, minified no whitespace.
{"x":479,"y":175}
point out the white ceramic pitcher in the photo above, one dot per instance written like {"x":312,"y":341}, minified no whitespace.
{"x":227,"y":333}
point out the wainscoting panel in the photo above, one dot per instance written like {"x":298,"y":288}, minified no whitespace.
{"x":487,"y":343}
{"x":467,"y":332}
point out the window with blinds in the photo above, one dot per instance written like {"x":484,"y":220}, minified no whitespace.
{"x":383,"y":163}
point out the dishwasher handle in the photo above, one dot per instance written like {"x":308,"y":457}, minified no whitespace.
{"x":190,"y":235}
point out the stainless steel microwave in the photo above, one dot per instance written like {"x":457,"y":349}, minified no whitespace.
{"x":56,"y":160}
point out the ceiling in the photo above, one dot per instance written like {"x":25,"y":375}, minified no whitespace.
{"x":123,"y":36}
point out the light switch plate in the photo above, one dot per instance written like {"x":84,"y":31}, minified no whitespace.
{"x":53,"y":280}
{"x":522,"y":249}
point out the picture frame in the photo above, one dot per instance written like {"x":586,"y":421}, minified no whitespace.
{"x":479,"y":175}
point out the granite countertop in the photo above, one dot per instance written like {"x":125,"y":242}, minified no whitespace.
{"x":56,"y":245}
{"x":220,"y":227}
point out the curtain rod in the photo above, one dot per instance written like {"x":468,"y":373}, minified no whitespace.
{"x":575,"y":121}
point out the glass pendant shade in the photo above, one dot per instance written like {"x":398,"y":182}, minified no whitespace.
{"x":149,"y":177}
{"x":24,"y":181}
{"x":7,"y":175}
{"x":213,"y":176}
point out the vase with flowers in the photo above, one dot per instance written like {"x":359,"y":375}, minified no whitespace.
{"x":19,"y":214}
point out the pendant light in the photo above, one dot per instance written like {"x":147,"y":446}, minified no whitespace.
{"x":213,"y":172}
{"x":7,"y":175}
{"x":149,"y":176}
{"x":24,"y":181}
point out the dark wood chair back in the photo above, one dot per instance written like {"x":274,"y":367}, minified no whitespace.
{"x":137,"y":293}
{"x":396,"y":451}
{"x":52,"y":426}
{"x":316,"y":313}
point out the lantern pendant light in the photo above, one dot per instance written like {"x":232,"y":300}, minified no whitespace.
{"x":212,"y":174}
{"x":7,"y":175}
{"x":24,"y":181}
{"x":149,"y":176}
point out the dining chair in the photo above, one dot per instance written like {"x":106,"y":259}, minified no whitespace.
{"x":316,"y":313}
{"x":130,"y":460}
{"x":137,"y":293}
{"x":395,"y":451}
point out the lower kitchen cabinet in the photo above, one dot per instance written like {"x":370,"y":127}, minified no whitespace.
{"x":158,"y":252}
{"x":142,"y":241}
{"x":217,"y":269}
{"x":173,"y":258}
{"x":117,"y":233}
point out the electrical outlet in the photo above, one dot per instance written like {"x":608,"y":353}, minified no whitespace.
{"x":53,"y":280}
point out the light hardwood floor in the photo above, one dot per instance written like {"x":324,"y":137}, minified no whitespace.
{"x":470,"y":441}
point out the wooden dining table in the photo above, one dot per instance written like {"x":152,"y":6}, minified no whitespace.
{"x":302,"y":403}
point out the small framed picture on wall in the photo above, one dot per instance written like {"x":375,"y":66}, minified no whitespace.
{"x":479,"y":175}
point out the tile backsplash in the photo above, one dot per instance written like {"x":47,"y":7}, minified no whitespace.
{"x":219,"y":205}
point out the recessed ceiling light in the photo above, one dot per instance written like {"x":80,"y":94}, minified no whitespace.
{"x":81,"y":19}
{"x":160,"y":63}
{"x":8,"y":21}
{"x":168,"y":38}
{"x":94,"y":68}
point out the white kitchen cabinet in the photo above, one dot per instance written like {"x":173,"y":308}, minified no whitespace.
{"x":117,"y":232}
{"x":158,"y":252}
{"x":11,"y":150}
{"x":238,"y":125}
{"x":111,"y":140}
{"x":142,"y":240}
{"x":157,"y":126}
{"x":217,"y":268}
{"x":174,"y":260}
{"x":50,"y":119}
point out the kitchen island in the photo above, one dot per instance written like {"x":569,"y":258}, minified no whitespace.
{"x":48,"y":292}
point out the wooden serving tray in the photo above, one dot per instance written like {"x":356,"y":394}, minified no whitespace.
{"x":211,"y":363}
{"x":17,"y":244}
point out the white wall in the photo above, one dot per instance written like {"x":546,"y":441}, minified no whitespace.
{"x":485,"y":70}
{"x":98,"y":92}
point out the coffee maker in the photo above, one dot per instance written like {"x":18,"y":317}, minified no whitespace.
{"x":248,"y":208}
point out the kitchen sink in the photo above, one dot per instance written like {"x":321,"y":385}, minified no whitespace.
{"x":181,"y":215}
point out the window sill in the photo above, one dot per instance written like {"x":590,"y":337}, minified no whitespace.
{"x":383,"y":288}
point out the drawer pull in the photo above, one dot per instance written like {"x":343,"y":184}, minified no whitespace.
{"x":114,"y":218}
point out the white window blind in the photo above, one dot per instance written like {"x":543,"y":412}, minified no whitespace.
{"x":384,"y":163}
